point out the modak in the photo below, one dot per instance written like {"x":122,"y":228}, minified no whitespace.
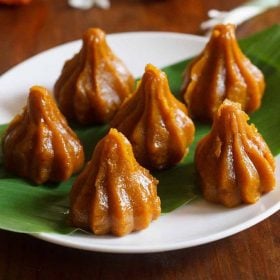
{"x":93,"y":83}
{"x":155,"y":122}
{"x":222,"y":71}
{"x":114,"y":194}
{"x":39,"y":145}
{"x":233,"y":161}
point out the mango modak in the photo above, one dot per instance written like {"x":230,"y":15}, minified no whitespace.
{"x":38,"y":144}
{"x":233,"y":161}
{"x":221,"y":72}
{"x":114,"y":194}
{"x":93,"y":83}
{"x":155,"y":122}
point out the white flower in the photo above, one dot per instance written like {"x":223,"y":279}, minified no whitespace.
{"x":87,"y":4}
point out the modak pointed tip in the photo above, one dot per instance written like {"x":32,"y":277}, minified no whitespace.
{"x":114,"y":131}
{"x":152,"y":68}
{"x":153,"y":72}
{"x":117,"y":136}
{"x":38,"y":88}
{"x":93,"y":34}
{"x":226,"y":30}
{"x":229,"y":107}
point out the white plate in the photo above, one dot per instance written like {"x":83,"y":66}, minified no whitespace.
{"x":196,"y":223}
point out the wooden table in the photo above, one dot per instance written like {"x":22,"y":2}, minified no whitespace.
{"x":25,"y":31}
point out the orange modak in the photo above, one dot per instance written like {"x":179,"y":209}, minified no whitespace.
{"x":221,"y":72}
{"x":233,"y":161}
{"x":155,"y":122}
{"x":114,"y":194}
{"x":93,"y":83}
{"x":38,"y":143}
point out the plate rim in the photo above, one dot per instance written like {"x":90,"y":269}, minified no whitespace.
{"x":52,"y":237}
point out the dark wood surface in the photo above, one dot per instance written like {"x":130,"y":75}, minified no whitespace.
{"x":25,"y":31}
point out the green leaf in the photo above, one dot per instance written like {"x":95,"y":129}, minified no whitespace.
{"x":30,"y":209}
{"x":263,"y":48}
{"x":25,"y":208}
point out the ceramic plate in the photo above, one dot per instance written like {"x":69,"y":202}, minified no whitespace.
{"x":193,"y":224}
